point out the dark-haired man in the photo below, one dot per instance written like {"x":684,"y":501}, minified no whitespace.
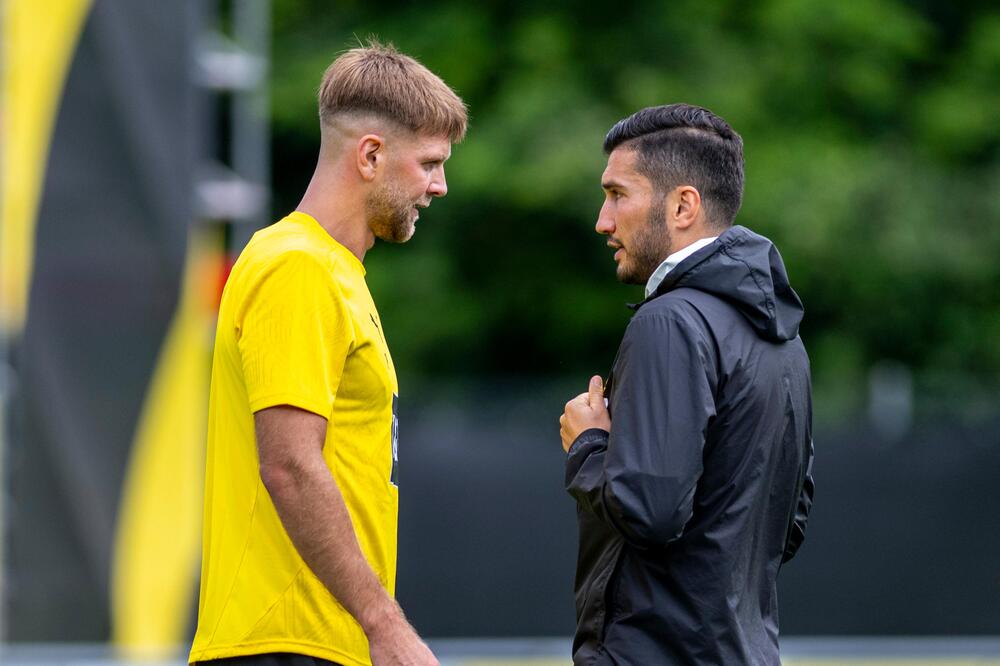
{"x":301,"y":503}
{"x":691,"y":468}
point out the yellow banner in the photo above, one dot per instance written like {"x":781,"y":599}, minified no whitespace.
{"x":37,"y":42}
{"x":157,"y":546}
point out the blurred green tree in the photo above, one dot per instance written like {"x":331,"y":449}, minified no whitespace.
{"x":873,"y":161}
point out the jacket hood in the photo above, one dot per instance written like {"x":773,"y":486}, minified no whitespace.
{"x":746,"y":270}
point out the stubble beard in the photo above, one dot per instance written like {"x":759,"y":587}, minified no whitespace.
{"x":389,"y":214}
{"x":649,"y":247}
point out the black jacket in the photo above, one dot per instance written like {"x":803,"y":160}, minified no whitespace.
{"x":688,"y":508}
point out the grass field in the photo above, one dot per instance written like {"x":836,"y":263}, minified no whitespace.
{"x":796,"y":651}
{"x":828,"y":661}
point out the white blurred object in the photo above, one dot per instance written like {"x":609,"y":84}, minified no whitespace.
{"x":890,"y":400}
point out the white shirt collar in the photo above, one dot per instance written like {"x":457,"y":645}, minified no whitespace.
{"x":670,"y":262}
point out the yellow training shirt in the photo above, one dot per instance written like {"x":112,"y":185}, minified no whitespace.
{"x":297,"y":326}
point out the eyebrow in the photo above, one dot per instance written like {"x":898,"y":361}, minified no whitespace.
{"x":612,"y":185}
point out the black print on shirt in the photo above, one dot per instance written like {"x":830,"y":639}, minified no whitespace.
{"x":395,"y":442}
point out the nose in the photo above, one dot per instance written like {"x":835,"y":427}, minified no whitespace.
{"x":605,"y":222}
{"x":438,"y":186}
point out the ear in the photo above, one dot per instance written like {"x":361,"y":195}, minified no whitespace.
{"x":370,"y":156}
{"x":685,"y":206}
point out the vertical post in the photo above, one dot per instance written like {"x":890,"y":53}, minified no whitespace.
{"x":250,"y":150}
{"x":5,"y":365}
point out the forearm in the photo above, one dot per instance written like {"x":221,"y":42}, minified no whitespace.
{"x":587,"y":481}
{"x":585,"y":477}
{"x":647,"y":507}
{"x":316,"y":519}
{"x":800,"y":513}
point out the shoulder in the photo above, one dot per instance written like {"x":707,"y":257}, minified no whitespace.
{"x":674,"y":308}
{"x":275,"y":254}
{"x":671,"y":322}
{"x":705,"y":311}
{"x":284,"y":271}
{"x":666,"y":335}
{"x":286,"y":244}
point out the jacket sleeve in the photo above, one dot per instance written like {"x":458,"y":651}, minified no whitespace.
{"x":803,"y":504}
{"x":640,"y":478}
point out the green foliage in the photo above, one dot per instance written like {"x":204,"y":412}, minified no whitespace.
{"x":873,"y":161}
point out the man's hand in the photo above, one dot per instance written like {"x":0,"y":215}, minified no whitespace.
{"x":312,"y":510}
{"x":393,"y":642}
{"x":584,"y":412}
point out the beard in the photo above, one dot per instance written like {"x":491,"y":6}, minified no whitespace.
{"x":390,"y":214}
{"x":648,"y":248}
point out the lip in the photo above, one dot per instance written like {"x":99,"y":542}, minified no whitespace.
{"x":620,"y":250}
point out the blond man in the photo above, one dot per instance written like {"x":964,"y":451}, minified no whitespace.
{"x":301,"y":502}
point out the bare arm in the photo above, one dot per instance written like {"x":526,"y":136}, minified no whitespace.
{"x":312,"y":510}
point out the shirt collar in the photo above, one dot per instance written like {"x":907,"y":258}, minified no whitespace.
{"x":670,"y":262}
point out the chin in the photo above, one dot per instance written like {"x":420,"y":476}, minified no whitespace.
{"x":627,"y":275}
{"x":401,"y":234}
{"x":399,"y":230}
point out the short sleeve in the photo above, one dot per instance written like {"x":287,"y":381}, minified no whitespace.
{"x":294,"y":333}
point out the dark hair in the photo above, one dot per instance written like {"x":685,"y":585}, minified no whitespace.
{"x":681,"y":144}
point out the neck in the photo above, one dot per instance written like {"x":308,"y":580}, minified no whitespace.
{"x":339,"y":209}
{"x":689,"y":236}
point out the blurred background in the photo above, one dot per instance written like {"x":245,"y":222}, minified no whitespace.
{"x":142,"y":143}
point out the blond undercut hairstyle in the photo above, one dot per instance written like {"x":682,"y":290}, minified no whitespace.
{"x":377,"y":79}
